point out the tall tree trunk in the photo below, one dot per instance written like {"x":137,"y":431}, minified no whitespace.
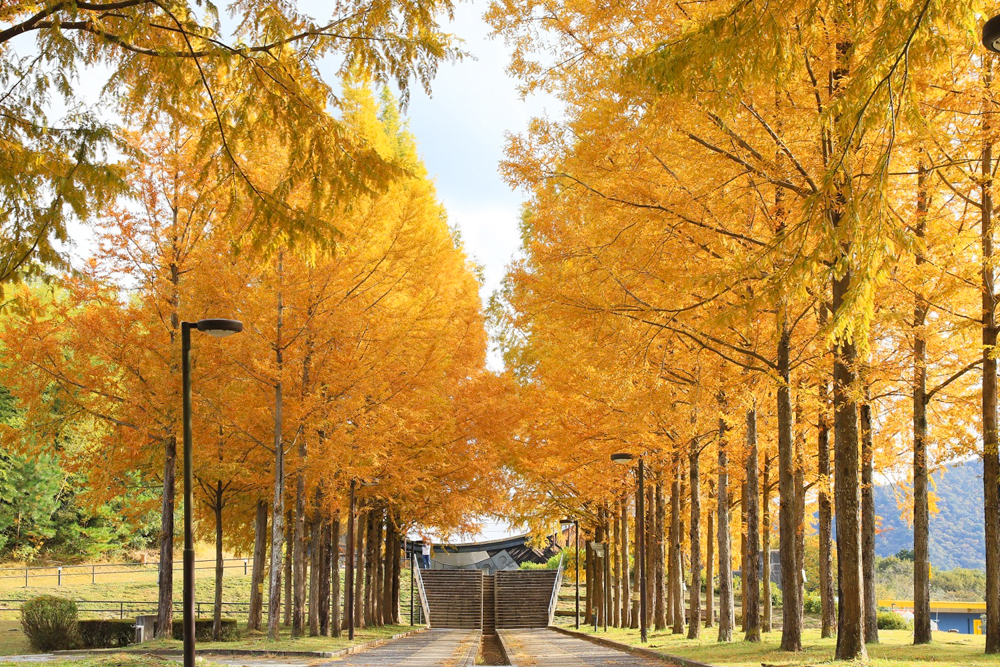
{"x":868,"y":520}
{"x":637,"y":569}
{"x":675,"y":548}
{"x":588,"y":616}
{"x":726,"y":617}
{"x":325,"y":566}
{"x":677,"y":594}
{"x":710,"y":563}
{"x":315,"y":568}
{"x":289,"y":571}
{"x":257,"y":574}
{"x":394,"y":614}
{"x":391,"y":554}
{"x":359,"y":570}
{"x":616,"y":575}
{"x":847,"y":491}
{"x":744,"y":555}
{"x":165,"y":602}
{"x":655,"y":558}
{"x":299,"y":567}
{"x":278,"y":508}
{"x":672,"y":545}
{"x":751,"y":575}
{"x":991,"y":462}
{"x":277,"y":525}
{"x":599,"y":601}
{"x":791,"y":608}
{"x":378,"y":564}
{"x":921,"y":505}
{"x":220,"y":564}
{"x":828,"y":611}
{"x":336,"y":624}
{"x":694,"y":621}
{"x":800,"y":500}
{"x":626,"y":621}
{"x":765,"y":544}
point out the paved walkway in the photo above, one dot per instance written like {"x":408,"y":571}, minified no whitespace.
{"x":547,"y":648}
{"x":431,"y":648}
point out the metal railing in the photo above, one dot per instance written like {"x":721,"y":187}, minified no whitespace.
{"x":423,"y":595}
{"x":63,"y":573}
{"x":130,"y":608}
{"x":554,"y":600}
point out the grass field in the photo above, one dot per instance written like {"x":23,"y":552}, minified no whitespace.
{"x":116,"y":660}
{"x":140,"y":589}
{"x":895,"y":649}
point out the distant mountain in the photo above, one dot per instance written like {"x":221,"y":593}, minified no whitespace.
{"x":957,"y":534}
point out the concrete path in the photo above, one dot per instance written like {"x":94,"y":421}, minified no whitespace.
{"x":547,"y":648}
{"x":432,"y":648}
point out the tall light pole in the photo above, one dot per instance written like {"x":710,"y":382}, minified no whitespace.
{"x":218,"y":329}
{"x":576,"y":534}
{"x":991,"y":34}
{"x":640,"y":536}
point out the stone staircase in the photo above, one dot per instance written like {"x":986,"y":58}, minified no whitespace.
{"x":523,"y":598}
{"x":468,"y":599}
{"x":454,"y":598}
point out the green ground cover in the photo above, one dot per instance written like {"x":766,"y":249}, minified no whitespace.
{"x":115,"y":660}
{"x":142,"y":588}
{"x":895,"y":649}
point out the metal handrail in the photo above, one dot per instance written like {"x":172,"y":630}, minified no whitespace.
{"x":554,"y":600}
{"x":423,"y":595}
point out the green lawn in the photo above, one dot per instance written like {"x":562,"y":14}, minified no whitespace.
{"x":115,"y":660}
{"x":142,"y":588}
{"x":895,"y":649}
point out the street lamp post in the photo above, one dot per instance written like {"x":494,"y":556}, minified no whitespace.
{"x":219,"y":329}
{"x":991,"y":34}
{"x":576,"y":534}
{"x":640,"y":537}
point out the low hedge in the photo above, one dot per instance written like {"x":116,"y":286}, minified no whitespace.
{"x":107,"y":633}
{"x":203,"y":630}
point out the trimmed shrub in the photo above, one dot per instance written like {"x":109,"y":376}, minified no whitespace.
{"x":49,"y":622}
{"x":775,"y":595}
{"x":203,"y":630}
{"x":890,"y":620}
{"x":107,"y":632}
{"x":535,"y":566}
{"x":812,"y":603}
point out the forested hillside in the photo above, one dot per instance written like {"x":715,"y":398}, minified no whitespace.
{"x":956,"y":530}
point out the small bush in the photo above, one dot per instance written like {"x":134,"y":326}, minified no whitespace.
{"x":775,"y":595}
{"x":106,"y":633}
{"x":890,"y":620}
{"x":534,"y":566}
{"x":203,"y":630}
{"x":812,"y":603}
{"x":49,"y":622}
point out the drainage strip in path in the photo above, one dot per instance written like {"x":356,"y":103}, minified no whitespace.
{"x":649,"y":654}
